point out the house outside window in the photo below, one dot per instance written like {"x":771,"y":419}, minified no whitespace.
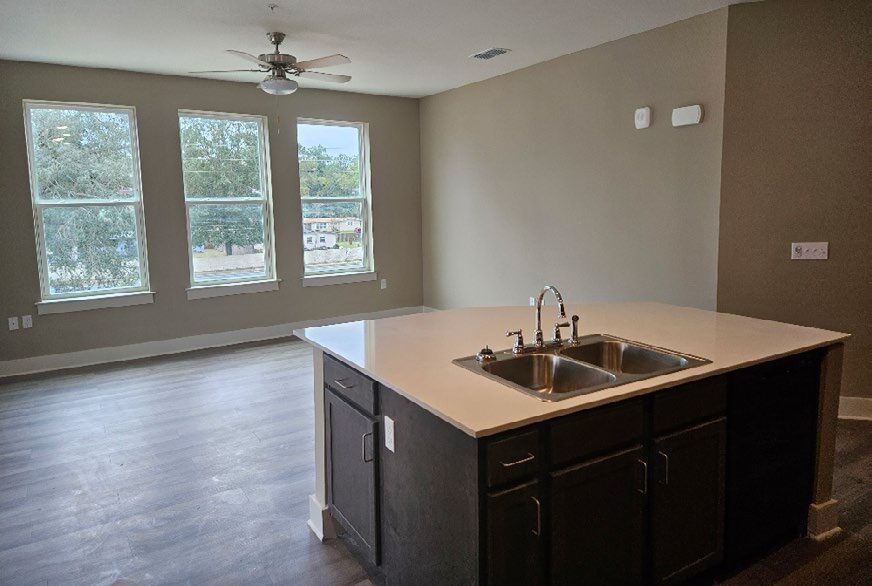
{"x":225,"y":163}
{"x":336,"y":196}
{"x":86,"y":192}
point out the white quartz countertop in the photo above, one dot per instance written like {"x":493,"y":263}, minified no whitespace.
{"x":412,"y":354}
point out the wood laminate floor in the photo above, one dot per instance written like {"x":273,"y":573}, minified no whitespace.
{"x":197,"y":469}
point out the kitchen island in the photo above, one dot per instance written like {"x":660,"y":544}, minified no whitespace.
{"x":691,"y":471}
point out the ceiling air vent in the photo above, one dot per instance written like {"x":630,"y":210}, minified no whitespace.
{"x":489,"y":53}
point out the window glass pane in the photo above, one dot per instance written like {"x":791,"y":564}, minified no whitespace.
{"x":332,"y":237}
{"x":329,"y":160}
{"x":227,"y":241}
{"x":81,"y":154}
{"x":91,"y":248}
{"x":221,"y":157}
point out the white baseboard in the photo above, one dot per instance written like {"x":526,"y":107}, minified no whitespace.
{"x":50,"y":362}
{"x":320,"y":521}
{"x":855,"y":408}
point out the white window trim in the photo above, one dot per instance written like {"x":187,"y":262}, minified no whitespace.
{"x":315,"y":277}
{"x":209,"y":291}
{"x":267,"y":201}
{"x":94,"y":302}
{"x":46,"y":297}
{"x":339,"y":278}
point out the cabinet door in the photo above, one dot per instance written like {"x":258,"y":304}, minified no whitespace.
{"x":514,"y":534}
{"x":597,"y":520}
{"x":687,"y":518}
{"x":351,"y":479}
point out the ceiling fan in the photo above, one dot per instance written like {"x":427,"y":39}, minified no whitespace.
{"x":279,"y":66}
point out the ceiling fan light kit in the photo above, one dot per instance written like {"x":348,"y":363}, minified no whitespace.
{"x":278,"y":86}
{"x":280,"y":65}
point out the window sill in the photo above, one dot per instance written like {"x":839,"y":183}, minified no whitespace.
{"x":208,"y":291}
{"x":95,"y":302}
{"x":339,"y":279}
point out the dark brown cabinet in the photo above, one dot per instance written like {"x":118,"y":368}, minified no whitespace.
{"x":597,"y":520}
{"x":658,"y":489}
{"x":687,"y":501}
{"x":351,"y":474}
{"x":514,"y":529}
{"x":771,"y":423}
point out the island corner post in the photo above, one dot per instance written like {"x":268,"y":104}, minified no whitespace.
{"x":823,"y":513}
{"x":320,"y":521}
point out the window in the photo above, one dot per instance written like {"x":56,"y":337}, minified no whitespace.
{"x":227,"y":196}
{"x":334,"y":187}
{"x":87,"y":199}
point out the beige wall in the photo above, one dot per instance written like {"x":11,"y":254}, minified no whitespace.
{"x":396,"y":208}
{"x":796,"y":167}
{"x":540,"y":176}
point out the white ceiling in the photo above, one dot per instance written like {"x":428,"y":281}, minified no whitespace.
{"x":397,"y":47}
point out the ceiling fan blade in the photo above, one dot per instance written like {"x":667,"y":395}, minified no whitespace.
{"x":248,"y":57}
{"x":326,"y":76}
{"x":328,"y":61}
{"x":227,"y":71}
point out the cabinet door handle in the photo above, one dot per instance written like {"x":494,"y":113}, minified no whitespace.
{"x":665,"y":467}
{"x":341,"y":385}
{"x":644,"y":489}
{"x":538,"y":530}
{"x":528,"y":458}
{"x":363,"y":447}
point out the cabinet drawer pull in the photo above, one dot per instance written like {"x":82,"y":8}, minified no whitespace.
{"x":644,"y":489}
{"x":665,"y":467}
{"x":529,"y":458}
{"x":363,"y":447}
{"x":538,"y":530}
{"x":341,"y":385}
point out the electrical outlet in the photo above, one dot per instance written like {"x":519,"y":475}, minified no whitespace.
{"x":26,"y":321}
{"x":809,"y":250}
{"x":13,"y":323}
{"x":384,"y":283}
{"x":532,"y":301}
{"x":389,"y":434}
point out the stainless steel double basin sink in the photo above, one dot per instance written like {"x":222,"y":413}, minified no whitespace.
{"x":567,"y":370}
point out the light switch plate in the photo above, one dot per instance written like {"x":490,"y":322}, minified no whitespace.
{"x":809,"y":250}
{"x":26,"y":321}
{"x":389,"y":433}
{"x":13,"y":323}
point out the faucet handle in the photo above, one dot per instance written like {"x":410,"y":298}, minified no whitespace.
{"x":518,"y":347}
{"x":556,"y":338}
{"x":573,"y":338}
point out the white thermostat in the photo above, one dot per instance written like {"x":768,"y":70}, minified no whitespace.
{"x":642,"y":118}
{"x":687,"y":115}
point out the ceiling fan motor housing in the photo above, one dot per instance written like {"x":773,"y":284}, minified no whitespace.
{"x":282,"y":59}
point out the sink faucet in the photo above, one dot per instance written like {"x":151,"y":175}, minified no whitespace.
{"x":538,"y":342}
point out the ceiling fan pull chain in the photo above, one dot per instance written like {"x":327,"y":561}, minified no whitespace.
{"x":278,"y":118}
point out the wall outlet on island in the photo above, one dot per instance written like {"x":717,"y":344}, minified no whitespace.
{"x":809,"y":250}
{"x":389,"y":433}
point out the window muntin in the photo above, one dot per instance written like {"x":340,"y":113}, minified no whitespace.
{"x":87,"y":199}
{"x":225,"y":165}
{"x":335,"y":194}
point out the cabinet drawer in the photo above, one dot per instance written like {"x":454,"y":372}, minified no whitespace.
{"x":689,"y":404}
{"x":606,"y":429}
{"x":350,"y":384}
{"x":512,"y":458}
